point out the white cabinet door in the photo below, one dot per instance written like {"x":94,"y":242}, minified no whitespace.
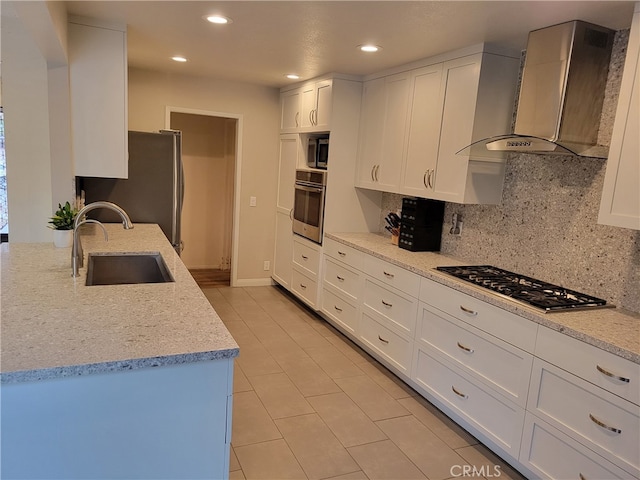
{"x":382,"y":138}
{"x":98,"y":92}
{"x":316,"y":106}
{"x":283,"y":254}
{"x":620,"y":204}
{"x":424,"y":131}
{"x":290,"y":111}
{"x":459,"y":93}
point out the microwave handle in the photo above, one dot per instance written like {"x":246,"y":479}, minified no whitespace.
{"x":304,"y":188}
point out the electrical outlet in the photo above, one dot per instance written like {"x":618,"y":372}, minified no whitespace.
{"x":267,"y":265}
{"x":252,"y":201}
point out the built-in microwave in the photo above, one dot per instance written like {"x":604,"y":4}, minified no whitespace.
{"x":318,"y":152}
{"x":308,"y":204}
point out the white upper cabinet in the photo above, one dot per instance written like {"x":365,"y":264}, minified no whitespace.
{"x":435,"y":112}
{"x":382,"y":132}
{"x":307,"y":108}
{"x":98,"y":92}
{"x":620,"y":203}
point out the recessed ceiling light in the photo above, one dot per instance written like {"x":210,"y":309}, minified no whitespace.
{"x":178,"y":59}
{"x":369,"y":48}
{"x":292,"y":76}
{"x":218,"y":19}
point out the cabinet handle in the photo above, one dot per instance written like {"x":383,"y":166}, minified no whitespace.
{"x":342,"y":254}
{"x":315,"y":117}
{"x":340,"y":278}
{"x":581,"y":476}
{"x":297,"y":117}
{"x":424,"y":179}
{"x":470,"y":312}
{"x":432,"y":173}
{"x":304,"y":287}
{"x":389,"y":305}
{"x":466,"y":349}
{"x":291,"y":214}
{"x":373,"y":169}
{"x":604,"y":425}
{"x":304,"y":257}
{"x":337,"y":308}
{"x":383,"y":340}
{"x":612,"y":375}
{"x":458,"y":393}
{"x":377,"y":171}
{"x":388,"y":275}
{"x":311,"y":117}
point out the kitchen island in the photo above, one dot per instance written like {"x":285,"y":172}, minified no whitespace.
{"x":111,"y":381}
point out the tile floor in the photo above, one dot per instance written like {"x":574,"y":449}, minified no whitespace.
{"x":310,"y":404}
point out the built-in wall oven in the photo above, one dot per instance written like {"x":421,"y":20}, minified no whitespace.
{"x":308,"y":204}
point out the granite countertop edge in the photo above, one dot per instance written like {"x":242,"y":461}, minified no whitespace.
{"x":21,"y":376}
{"x":553,"y":321}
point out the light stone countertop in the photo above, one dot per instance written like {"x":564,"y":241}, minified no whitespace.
{"x":612,"y":329}
{"x":55,"y":326}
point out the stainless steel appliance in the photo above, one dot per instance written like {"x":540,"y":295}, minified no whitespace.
{"x":308,"y":204}
{"x":526,"y":290}
{"x":561,"y":94}
{"x":318,"y":151}
{"x":154,"y":191}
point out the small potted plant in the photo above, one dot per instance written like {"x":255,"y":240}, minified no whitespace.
{"x":62,"y":225}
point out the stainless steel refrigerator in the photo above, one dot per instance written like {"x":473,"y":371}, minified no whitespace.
{"x":154,"y":191}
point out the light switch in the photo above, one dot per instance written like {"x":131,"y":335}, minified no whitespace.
{"x":252,"y":201}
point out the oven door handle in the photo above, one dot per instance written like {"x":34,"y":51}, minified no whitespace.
{"x":304,"y":188}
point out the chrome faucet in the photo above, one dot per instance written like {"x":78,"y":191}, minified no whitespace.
{"x":77,"y":255}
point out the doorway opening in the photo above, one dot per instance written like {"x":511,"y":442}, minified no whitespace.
{"x":210,"y":158}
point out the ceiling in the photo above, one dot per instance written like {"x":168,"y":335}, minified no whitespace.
{"x":269,"y":39}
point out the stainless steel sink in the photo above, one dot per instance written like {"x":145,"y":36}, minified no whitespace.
{"x":124,"y":268}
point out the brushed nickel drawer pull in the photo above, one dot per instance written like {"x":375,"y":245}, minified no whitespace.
{"x":337,"y":308}
{"x":388,"y":305}
{"x":342,"y":254}
{"x":424,"y":180}
{"x":612,"y":375}
{"x":458,"y":393}
{"x":340,"y":278}
{"x":304,"y":257}
{"x":466,"y":349}
{"x":388,"y":275}
{"x":303,"y":286}
{"x":466,"y":310}
{"x":382,"y":339}
{"x":604,"y":425}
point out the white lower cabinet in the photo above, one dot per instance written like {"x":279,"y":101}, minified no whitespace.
{"x":549,"y":453}
{"x":497,"y":418}
{"x":601,"y":421}
{"x":306,"y":271}
{"x":304,"y":287}
{"x":393,"y":348}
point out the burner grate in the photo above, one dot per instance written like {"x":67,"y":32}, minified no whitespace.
{"x":531,"y":291}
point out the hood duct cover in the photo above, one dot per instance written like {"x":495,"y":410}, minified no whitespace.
{"x":561,"y":94}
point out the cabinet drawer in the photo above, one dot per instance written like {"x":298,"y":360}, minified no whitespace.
{"x":342,"y":278}
{"x":306,"y":257}
{"x":497,"y":364}
{"x":511,"y":328}
{"x":498,"y":418}
{"x":551,"y":454}
{"x":600,"y":420}
{"x":352,"y":257}
{"x":615,"y":374}
{"x":393,"y":347}
{"x":339,"y":311}
{"x":304,"y":287}
{"x":398,"y":309}
{"x":392,"y":275}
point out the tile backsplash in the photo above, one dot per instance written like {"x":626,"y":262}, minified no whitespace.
{"x":546,"y":226}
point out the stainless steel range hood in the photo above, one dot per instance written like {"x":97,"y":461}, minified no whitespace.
{"x":561,"y":94}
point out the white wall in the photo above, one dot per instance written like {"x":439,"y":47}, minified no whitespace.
{"x":149,"y":95}
{"x":25,"y":97}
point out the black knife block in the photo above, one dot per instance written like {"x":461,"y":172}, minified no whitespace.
{"x":421,"y":227}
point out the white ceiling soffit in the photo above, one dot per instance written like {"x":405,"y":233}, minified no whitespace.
{"x":268,"y":39}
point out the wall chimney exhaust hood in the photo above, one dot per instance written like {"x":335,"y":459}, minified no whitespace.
{"x":561,"y":94}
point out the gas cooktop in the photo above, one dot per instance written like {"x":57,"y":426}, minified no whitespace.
{"x":527,"y":290}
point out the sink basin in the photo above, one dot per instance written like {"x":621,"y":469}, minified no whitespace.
{"x":125,"y":268}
